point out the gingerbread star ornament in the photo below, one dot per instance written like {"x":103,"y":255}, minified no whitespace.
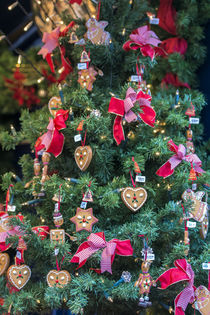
{"x":84,"y":219}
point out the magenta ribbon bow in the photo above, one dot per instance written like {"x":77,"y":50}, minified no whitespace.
{"x":182,"y":272}
{"x":123,"y":108}
{"x":167,"y":169}
{"x":96,"y":241}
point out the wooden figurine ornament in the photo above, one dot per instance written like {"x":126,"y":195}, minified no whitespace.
{"x":144,"y":284}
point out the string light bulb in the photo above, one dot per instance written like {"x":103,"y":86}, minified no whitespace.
{"x":123,"y":32}
{"x":26,"y":28}
{"x":40,"y":80}
{"x":38,"y":301}
{"x":12,"y":6}
{"x":163,"y":131}
{"x":47,"y":19}
{"x":61,"y":70}
{"x":157,"y":153}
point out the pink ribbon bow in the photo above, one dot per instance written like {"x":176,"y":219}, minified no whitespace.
{"x":145,"y":40}
{"x":183,"y":271}
{"x":50,"y":41}
{"x":96,"y":241}
{"x":123,"y":108}
{"x":167,"y":169}
{"x":53,"y":139}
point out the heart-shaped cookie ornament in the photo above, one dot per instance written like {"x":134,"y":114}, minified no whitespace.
{"x":57,"y":278}
{"x":202,"y":303}
{"x":134,"y":198}
{"x":18,"y":276}
{"x":4,"y":262}
{"x":83,"y":157}
{"x":54,"y":105}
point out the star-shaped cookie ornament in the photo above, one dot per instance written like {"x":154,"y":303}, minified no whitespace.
{"x":84,"y":219}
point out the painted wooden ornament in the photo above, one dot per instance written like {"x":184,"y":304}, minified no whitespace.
{"x":134,"y":198}
{"x":84,"y":56}
{"x":96,"y":33}
{"x":18,"y":276}
{"x":198,"y":210}
{"x":54,"y":105}
{"x":83,"y":157}
{"x":202,"y":303}
{"x":57,"y":236}
{"x":84,"y":219}
{"x":73,"y":38}
{"x":4,"y":262}
{"x":58,"y":278}
{"x":87,"y":78}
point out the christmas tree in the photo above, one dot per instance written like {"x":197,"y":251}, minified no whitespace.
{"x":101,"y":198}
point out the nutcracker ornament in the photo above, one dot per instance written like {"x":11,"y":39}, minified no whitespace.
{"x":145,"y":281}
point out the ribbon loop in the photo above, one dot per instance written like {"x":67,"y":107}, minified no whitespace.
{"x":97,"y":241}
{"x":167,"y":169}
{"x":123,"y":108}
{"x":53,"y":139}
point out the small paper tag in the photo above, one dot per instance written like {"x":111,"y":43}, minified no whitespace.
{"x":135,"y":78}
{"x":194,"y":186}
{"x":82,"y":65}
{"x":18,"y":254}
{"x":83,"y":205}
{"x":11,"y":208}
{"x":194,"y":120}
{"x":77,"y":138}
{"x":153,"y":20}
{"x":56,"y":205}
{"x":140,"y":179}
{"x":150,"y":256}
{"x":191,"y":224}
{"x":206,"y":266}
{"x":56,"y":251}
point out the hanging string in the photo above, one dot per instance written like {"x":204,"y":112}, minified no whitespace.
{"x":83,"y":141}
{"x":98,"y":11}
{"x":8,"y":196}
{"x":133,"y":183}
{"x":59,"y":197}
{"x":138,"y":74}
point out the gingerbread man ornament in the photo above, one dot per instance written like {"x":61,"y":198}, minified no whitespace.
{"x":96,"y":33}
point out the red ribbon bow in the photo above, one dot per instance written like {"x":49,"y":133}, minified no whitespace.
{"x":183,"y":271}
{"x":123,"y":108}
{"x":167,"y":169}
{"x":167,"y":17}
{"x":171,"y":78}
{"x":145,"y":40}
{"x":53,"y":139}
{"x":96,"y":241}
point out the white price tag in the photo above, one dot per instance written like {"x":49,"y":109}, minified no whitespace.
{"x":83,"y":205}
{"x":140,"y":179}
{"x":206,"y":266}
{"x":82,"y":65}
{"x":151,"y":256}
{"x":135,"y":78}
{"x":11,"y":208}
{"x":154,"y":21}
{"x":56,"y":205}
{"x":191,"y":224}
{"x":77,"y":138}
{"x":194,"y":120}
{"x":56,"y":251}
{"x":18,"y":255}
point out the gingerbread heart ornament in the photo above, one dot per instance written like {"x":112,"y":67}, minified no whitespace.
{"x":202,"y":303}
{"x":18,"y":276}
{"x":134,"y":198}
{"x":4,"y":262}
{"x":58,"y":278}
{"x":83,"y":157}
